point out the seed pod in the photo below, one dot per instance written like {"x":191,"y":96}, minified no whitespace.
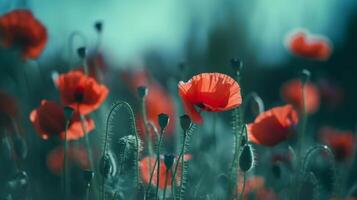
{"x":82,"y":51}
{"x":236,"y":64}
{"x":246,"y":159}
{"x":98,"y":26}
{"x":142,"y":91}
{"x":169,"y":160}
{"x":185,"y":122}
{"x":20,"y":147}
{"x":163,"y":120}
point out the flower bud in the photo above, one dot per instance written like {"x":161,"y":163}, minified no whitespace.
{"x":98,"y":26}
{"x":185,"y":122}
{"x":305,"y":76}
{"x":142,"y":91}
{"x":163,"y":120}
{"x":169,"y":160}
{"x":236,"y":64}
{"x":82,"y":51}
{"x":246,"y":158}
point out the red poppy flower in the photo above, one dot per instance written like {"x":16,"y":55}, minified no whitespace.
{"x":157,"y":101}
{"x":213,"y":92}
{"x":8,"y":110}
{"x":303,"y":44}
{"x":292,"y":93}
{"x":147,"y":165}
{"x":343,"y":143}
{"x":77,"y":155}
{"x":273,"y":126}
{"x":49,"y":120}
{"x":20,"y":28}
{"x":81,"y":92}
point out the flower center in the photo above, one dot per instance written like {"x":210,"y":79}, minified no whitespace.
{"x":79,"y":93}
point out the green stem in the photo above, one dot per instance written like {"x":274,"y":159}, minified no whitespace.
{"x":176,"y":167}
{"x":147,"y":130}
{"x":158,"y":164}
{"x":151,"y":176}
{"x":166,"y":175}
{"x":243,"y":188}
{"x":65,"y":162}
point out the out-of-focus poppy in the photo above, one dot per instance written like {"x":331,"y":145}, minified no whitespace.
{"x":77,"y":156}
{"x":49,"y":120}
{"x":147,"y":165}
{"x":255,"y":186}
{"x":213,"y":92}
{"x":291,"y":92}
{"x":310,"y":46}
{"x":273,"y":126}
{"x":157,"y":100}
{"x":343,"y":143}
{"x":20,"y":28}
{"x":80,"y":92}
{"x":8,"y":110}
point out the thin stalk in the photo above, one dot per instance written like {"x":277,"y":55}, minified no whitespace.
{"x":182,"y":174}
{"x":176,"y":167}
{"x":166,"y":175}
{"x":158,"y":163}
{"x":65,"y":162}
{"x":151,"y":176}
{"x":147,"y":131}
{"x":243,"y":188}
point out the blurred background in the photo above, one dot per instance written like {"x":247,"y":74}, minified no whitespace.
{"x":163,"y":36}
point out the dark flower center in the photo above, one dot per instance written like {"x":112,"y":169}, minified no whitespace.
{"x":79,"y":93}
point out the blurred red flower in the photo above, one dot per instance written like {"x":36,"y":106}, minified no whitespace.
{"x":291,"y":92}
{"x":20,"y":28}
{"x":8,"y":110}
{"x":157,"y":100}
{"x":77,"y":155}
{"x":343,"y":143}
{"x":213,"y":92}
{"x":80,"y":92}
{"x":303,"y":44}
{"x":49,"y":120}
{"x":147,"y":165}
{"x":273,"y":126}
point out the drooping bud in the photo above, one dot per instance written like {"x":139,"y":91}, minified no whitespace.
{"x":142,"y":91}
{"x":246,"y":158}
{"x":236,"y":64}
{"x":20,"y":147}
{"x":185,"y":122}
{"x":98,"y":26}
{"x":163,"y":120}
{"x":169,"y":160}
{"x":305,"y":76}
{"x":82,"y":51}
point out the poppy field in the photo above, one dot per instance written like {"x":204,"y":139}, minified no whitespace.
{"x":211,"y":115}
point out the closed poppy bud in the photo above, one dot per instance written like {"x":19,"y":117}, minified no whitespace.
{"x":20,"y":147}
{"x":169,"y":160}
{"x":163,"y":120}
{"x":98,"y":26}
{"x":305,"y":76}
{"x":236,"y":64}
{"x":246,"y":158}
{"x":185,"y":122}
{"x":68,"y":111}
{"x":142,"y":91}
{"x":82,"y":51}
